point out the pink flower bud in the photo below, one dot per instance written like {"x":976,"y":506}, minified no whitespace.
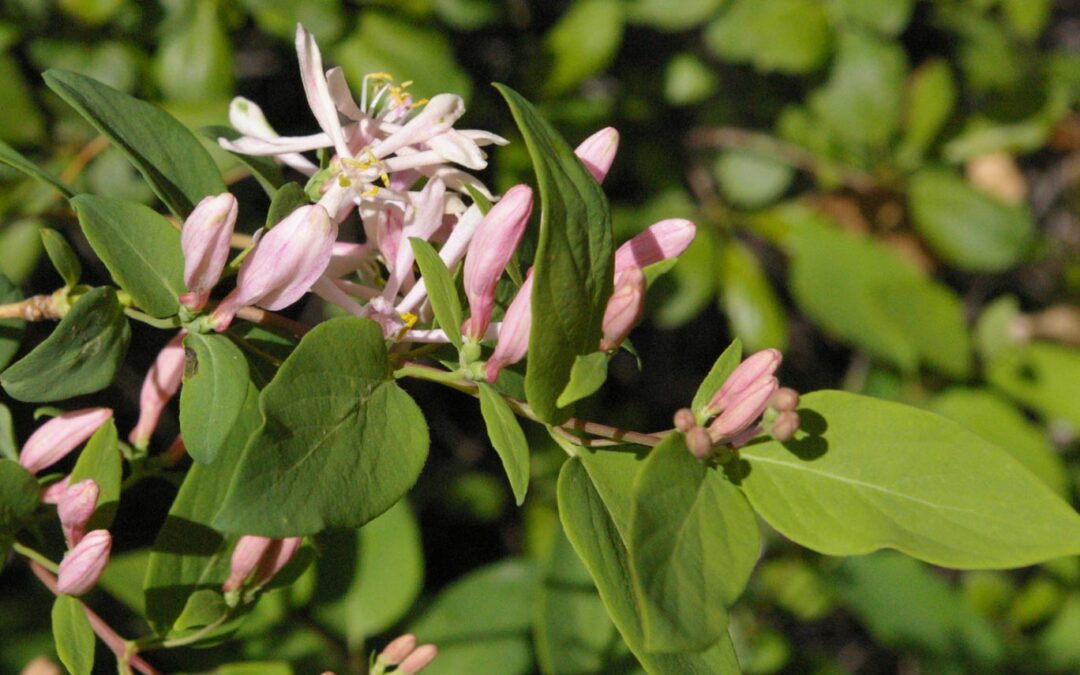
{"x":398,"y":649}
{"x":684,"y":420}
{"x":660,"y":241}
{"x":597,"y":152}
{"x":746,"y":375}
{"x":245,"y":558}
{"x":745,"y":436}
{"x":624,"y":308}
{"x":421,"y":658}
{"x":744,"y":410}
{"x":784,"y":399}
{"x":205,"y":240}
{"x":82,"y":566}
{"x":495,"y":240}
{"x":514,"y":335}
{"x":784,"y":426}
{"x":55,"y":492}
{"x":275,"y":559}
{"x":284,"y":264}
{"x":59,"y":436}
{"x":699,"y":443}
{"x":161,"y":384}
{"x":75,"y":508}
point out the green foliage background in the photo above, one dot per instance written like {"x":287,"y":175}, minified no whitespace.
{"x":885,"y":189}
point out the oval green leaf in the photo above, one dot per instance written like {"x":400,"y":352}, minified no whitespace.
{"x":73,"y":635}
{"x":440,"y":288}
{"x":215,"y":387}
{"x":19,"y":496}
{"x":508,"y":438}
{"x":62,"y":257}
{"x":100,"y":460}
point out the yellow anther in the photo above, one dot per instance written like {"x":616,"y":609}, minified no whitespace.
{"x":410,"y":319}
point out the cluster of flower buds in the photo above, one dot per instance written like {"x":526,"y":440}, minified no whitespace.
{"x":256,"y":560}
{"x":750,"y":401}
{"x":404,"y":653}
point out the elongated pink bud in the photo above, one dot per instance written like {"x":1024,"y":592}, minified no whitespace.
{"x":245,"y":558}
{"x":747,"y":374}
{"x":489,"y":252}
{"x":624,"y":308}
{"x":205,"y":240}
{"x":421,"y":658}
{"x":398,"y":649}
{"x":55,"y":492}
{"x":161,"y":384}
{"x":59,"y":436}
{"x":75,"y":507}
{"x":82,"y":566}
{"x":597,"y":152}
{"x":284,"y":264}
{"x":276,"y":557}
{"x":513,"y":341}
{"x":660,"y":241}
{"x":744,"y":410}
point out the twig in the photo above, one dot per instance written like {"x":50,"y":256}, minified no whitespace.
{"x":35,"y":308}
{"x":266,"y":318}
{"x":79,"y":162}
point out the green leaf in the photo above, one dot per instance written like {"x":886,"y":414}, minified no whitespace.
{"x":284,"y":201}
{"x":20,"y":116}
{"x":1041,"y":376}
{"x":723,"y":367}
{"x":573,"y":268}
{"x":507,"y":438}
{"x":73,"y":635}
{"x":169,"y":156}
{"x":62,"y":257}
{"x":597,"y":526}
{"x":367,"y":579}
{"x":215,"y":388}
{"x":582,"y":43}
{"x":693,"y":543}
{"x":868,"y":474}
{"x":786,"y":36}
{"x":324,"y":18}
{"x":91,"y":12}
{"x":931,"y":317}
{"x":80,"y":357}
{"x":19,"y":496}
{"x":481,"y":622}
{"x":9,"y":447}
{"x":194,"y":59}
{"x":966,"y":227}
{"x":188,"y":554}
{"x":139,"y":247}
{"x":688,"y":80}
{"x":929,"y":101}
{"x":11,"y":330}
{"x":340,"y":442}
{"x":100,"y":460}
{"x":1027,"y":17}
{"x":669,"y":16}
{"x":440,"y":288}
{"x":747,"y":297}
{"x":750,"y":179}
{"x":586,"y":377}
{"x":9,"y":156}
{"x":264,"y":169}
{"x":20,"y":249}
{"x":885,"y":16}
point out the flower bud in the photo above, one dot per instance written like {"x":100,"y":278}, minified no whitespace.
{"x":785,"y":425}
{"x":746,"y":375}
{"x":744,"y":410}
{"x":660,"y":241}
{"x":421,"y":658}
{"x":514,"y":335}
{"x":784,"y":399}
{"x":245,"y":558}
{"x":41,"y":665}
{"x":398,"y":649}
{"x":161,"y":384}
{"x":82,"y":566}
{"x":59,"y":436}
{"x":597,"y":152}
{"x":284,"y":264}
{"x":275,"y":559}
{"x":55,"y":492}
{"x":75,"y":508}
{"x":699,"y":443}
{"x":684,"y":420}
{"x":205,"y":239}
{"x":489,"y":252}
{"x":745,"y":436}
{"x":624,"y":308}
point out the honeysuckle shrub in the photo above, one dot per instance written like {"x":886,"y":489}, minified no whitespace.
{"x":269,"y":496}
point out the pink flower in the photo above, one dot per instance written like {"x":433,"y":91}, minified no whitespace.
{"x":660,"y":241}
{"x":161,"y":384}
{"x":55,"y":492}
{"x":746,"y":375}
{"x":514,"y":336}
{"x":286,"y":261}
{"x":75,"y":508}
{"x":260,"y":558}
{"x":597,"y":152}
{"x":624,"y":308}
{"x":495,"y":241}
{"x":400,"y":647}
{"x":82,"y":566}
{"x":205,"y":240}
{"x":744,"y":410}
{"x":59,"y":436}
{"x":421,"y":658}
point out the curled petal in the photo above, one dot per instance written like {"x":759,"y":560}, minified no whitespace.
{"x":317,"y":89}
{"x":436,"y":117}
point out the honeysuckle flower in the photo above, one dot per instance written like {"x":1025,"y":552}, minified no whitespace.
{"x":496,"y":239}
{"x":247,"y":117}
{"x":452,"y":251}
{"x":160,"y":385}
{"x":259,"y":558}
{"x":53,"y":493}
{"x":205,"y":239}
{"x":59,"y":436}
{"x":75,"y":508}
{"x":746,"y":375}
{"x":82,"y":566}
{"x":744,"y":409}
{"x":660,"y":241}
{"x":597,"y":152}
{"x":624,"y":308}
{"x":283,"y":265}
{"x":422,"y":220}
{"x":513,"y":341}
